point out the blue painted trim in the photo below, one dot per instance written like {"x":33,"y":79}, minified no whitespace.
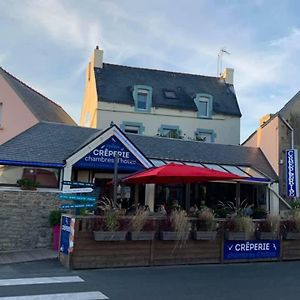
{"x":209,"y":98}
{"x":209,"y":131}
{"x":140,"y":126}
{"x":166,"y":127}
{"x":30,"y":163}
{"x":257,"y":179}
{"x":135,"y":91}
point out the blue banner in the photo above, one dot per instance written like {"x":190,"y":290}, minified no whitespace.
{"x":292,"y":184}
{"x":65,"y":234}
{"x":103,"y":157}
{"x":251,"y":249}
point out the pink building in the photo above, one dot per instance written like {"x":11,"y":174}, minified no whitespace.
{"x":21,"y":107}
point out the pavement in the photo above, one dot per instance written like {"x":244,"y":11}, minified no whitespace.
{"x":10,"y":257}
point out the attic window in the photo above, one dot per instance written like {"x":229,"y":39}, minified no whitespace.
{"x":142,"y":96}
{"x":170,"y":94}
{"x":204,"y":105}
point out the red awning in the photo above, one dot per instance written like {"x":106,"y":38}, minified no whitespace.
{"x":175,"y":173}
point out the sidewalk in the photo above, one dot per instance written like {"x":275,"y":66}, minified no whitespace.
{"x":26,"y":255}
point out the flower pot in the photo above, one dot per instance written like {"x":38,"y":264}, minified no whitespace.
{"x":110,"y":235}
{"x":235,"y":236}
{"x":142,"y":235}
{"x":292,"y":236}
{"x":262,"y":235}
{"x":55,"y":237}
{"x":204,"y":235}
{"x":172,"y":236}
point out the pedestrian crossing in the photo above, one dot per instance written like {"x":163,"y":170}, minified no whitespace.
{"x":88,"y":295}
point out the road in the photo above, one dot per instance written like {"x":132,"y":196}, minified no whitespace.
{"x":49,"y":280}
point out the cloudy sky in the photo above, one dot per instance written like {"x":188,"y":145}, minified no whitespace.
{"x":48,"y":43}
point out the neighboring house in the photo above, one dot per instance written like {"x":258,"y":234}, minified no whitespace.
{"x":21,"y":107}
{"x":277,"y":133}
{"x":163,"y":103}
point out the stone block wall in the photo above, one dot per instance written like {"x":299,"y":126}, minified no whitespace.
{"x":24,"y":219}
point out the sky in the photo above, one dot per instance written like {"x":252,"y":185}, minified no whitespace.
{"x":48,"y":44}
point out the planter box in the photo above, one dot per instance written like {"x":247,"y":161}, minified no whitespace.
{"x":142,"y":235}
{"x":204,"y":235}
{"x":292,"y":236}
{"x":110,"y":235}
{"x":261,"y":235}
{"x":236,"y":236}
{"x":171,"y":236}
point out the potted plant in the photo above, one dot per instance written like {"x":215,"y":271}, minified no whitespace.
{"x":239,"y":228}
{"x":112,"y":226}
{"x":176,"y":227}
{"x":54,"y":220}
{"x":291,"y":227}
{"x":205,"y":225}
{"x":269,"y":229}
{"x":27,"y":184}
{"x":141,"y":228}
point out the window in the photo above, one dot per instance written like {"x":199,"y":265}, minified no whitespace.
{"x":204,"y":105}
{"x":170,"y":94}
{"x":132,"y":127}
{"x":142,"y":96}
{"x":205,"y":135}
{"x":169,"y":131}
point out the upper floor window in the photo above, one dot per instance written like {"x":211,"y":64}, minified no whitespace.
{"x":204,"y":105}
{"x":205,"y":135}
{"x":142,"y":96}
{"x":132,"y":127}
{"x":170,"y":131}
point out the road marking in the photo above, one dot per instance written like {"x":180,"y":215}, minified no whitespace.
{"x":64,"y":296}
{"x":40,"y":280}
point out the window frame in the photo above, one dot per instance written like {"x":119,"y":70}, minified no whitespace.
{"x":146,"y":90}
{"x":200,"y":97}
{"x":211,"y":132}
{"x":139,"y":126}
{"x":164,"y":127}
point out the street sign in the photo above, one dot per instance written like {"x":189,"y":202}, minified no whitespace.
{"x":70,"y":206}
{"x":76,"y":191}
{"x":76,"y":197}
{"x":78,"y":183}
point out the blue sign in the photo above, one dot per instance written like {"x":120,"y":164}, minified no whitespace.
{"x":103,"y":157}
{"x":76,"y":197}
{"x":71,"y":206}
{"x":78,"y":184}
{"x":292,"y":183}
{"x":251,"y":249}
{"x":65,"y":234}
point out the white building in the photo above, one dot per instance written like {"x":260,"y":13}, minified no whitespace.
{"x":155,"y":102}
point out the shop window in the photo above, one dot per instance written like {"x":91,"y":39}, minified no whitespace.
{"x":204,"y":105}
{"x":142,"y":96}
{"x":205,"y":135}
{"x":170,"y":131}
{"x":132,"y":127}
{"x":43,"y":177}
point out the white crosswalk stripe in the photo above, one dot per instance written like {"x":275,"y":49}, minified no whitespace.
{"x":40,"y":280}
{"x":62,"y":296}
{"x":89,"y":295}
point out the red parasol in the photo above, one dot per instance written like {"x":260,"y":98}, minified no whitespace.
{"x":175,"y":173}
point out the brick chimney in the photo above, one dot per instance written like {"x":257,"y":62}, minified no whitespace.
{"x":228,"y":75}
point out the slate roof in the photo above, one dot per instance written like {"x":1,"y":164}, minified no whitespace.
{"x":42,"y":108}
{"x":114,"y":84}
{"x":53,"y":143}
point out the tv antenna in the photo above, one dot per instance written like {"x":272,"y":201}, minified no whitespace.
{"x":220,"y":58}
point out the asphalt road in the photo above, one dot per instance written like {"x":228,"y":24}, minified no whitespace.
{"x":236,"y":281}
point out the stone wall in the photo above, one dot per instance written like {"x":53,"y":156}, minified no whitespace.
{"x":24,"y":219}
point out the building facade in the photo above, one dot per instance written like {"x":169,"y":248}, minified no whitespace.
{"x":21,"y":107}
{"x":161,"y":103}
{"x":276,"y":134}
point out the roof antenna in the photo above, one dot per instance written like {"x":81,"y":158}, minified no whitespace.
{"x":220,"y":58}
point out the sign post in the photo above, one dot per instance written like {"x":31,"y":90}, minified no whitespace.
{"x":292,"y":181}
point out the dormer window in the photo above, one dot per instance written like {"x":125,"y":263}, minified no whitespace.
{"x":204,"y":105}
{"x":142,"y":96}
{"x":170,"y":94}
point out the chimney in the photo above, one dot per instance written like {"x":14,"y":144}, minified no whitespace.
{"x":228,"y":75}
{"x":97,"y":58}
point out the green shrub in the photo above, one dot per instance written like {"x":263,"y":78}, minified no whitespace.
{"x":54,"y":217}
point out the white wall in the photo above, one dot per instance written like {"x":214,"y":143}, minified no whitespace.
{"x":227,"y":128}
